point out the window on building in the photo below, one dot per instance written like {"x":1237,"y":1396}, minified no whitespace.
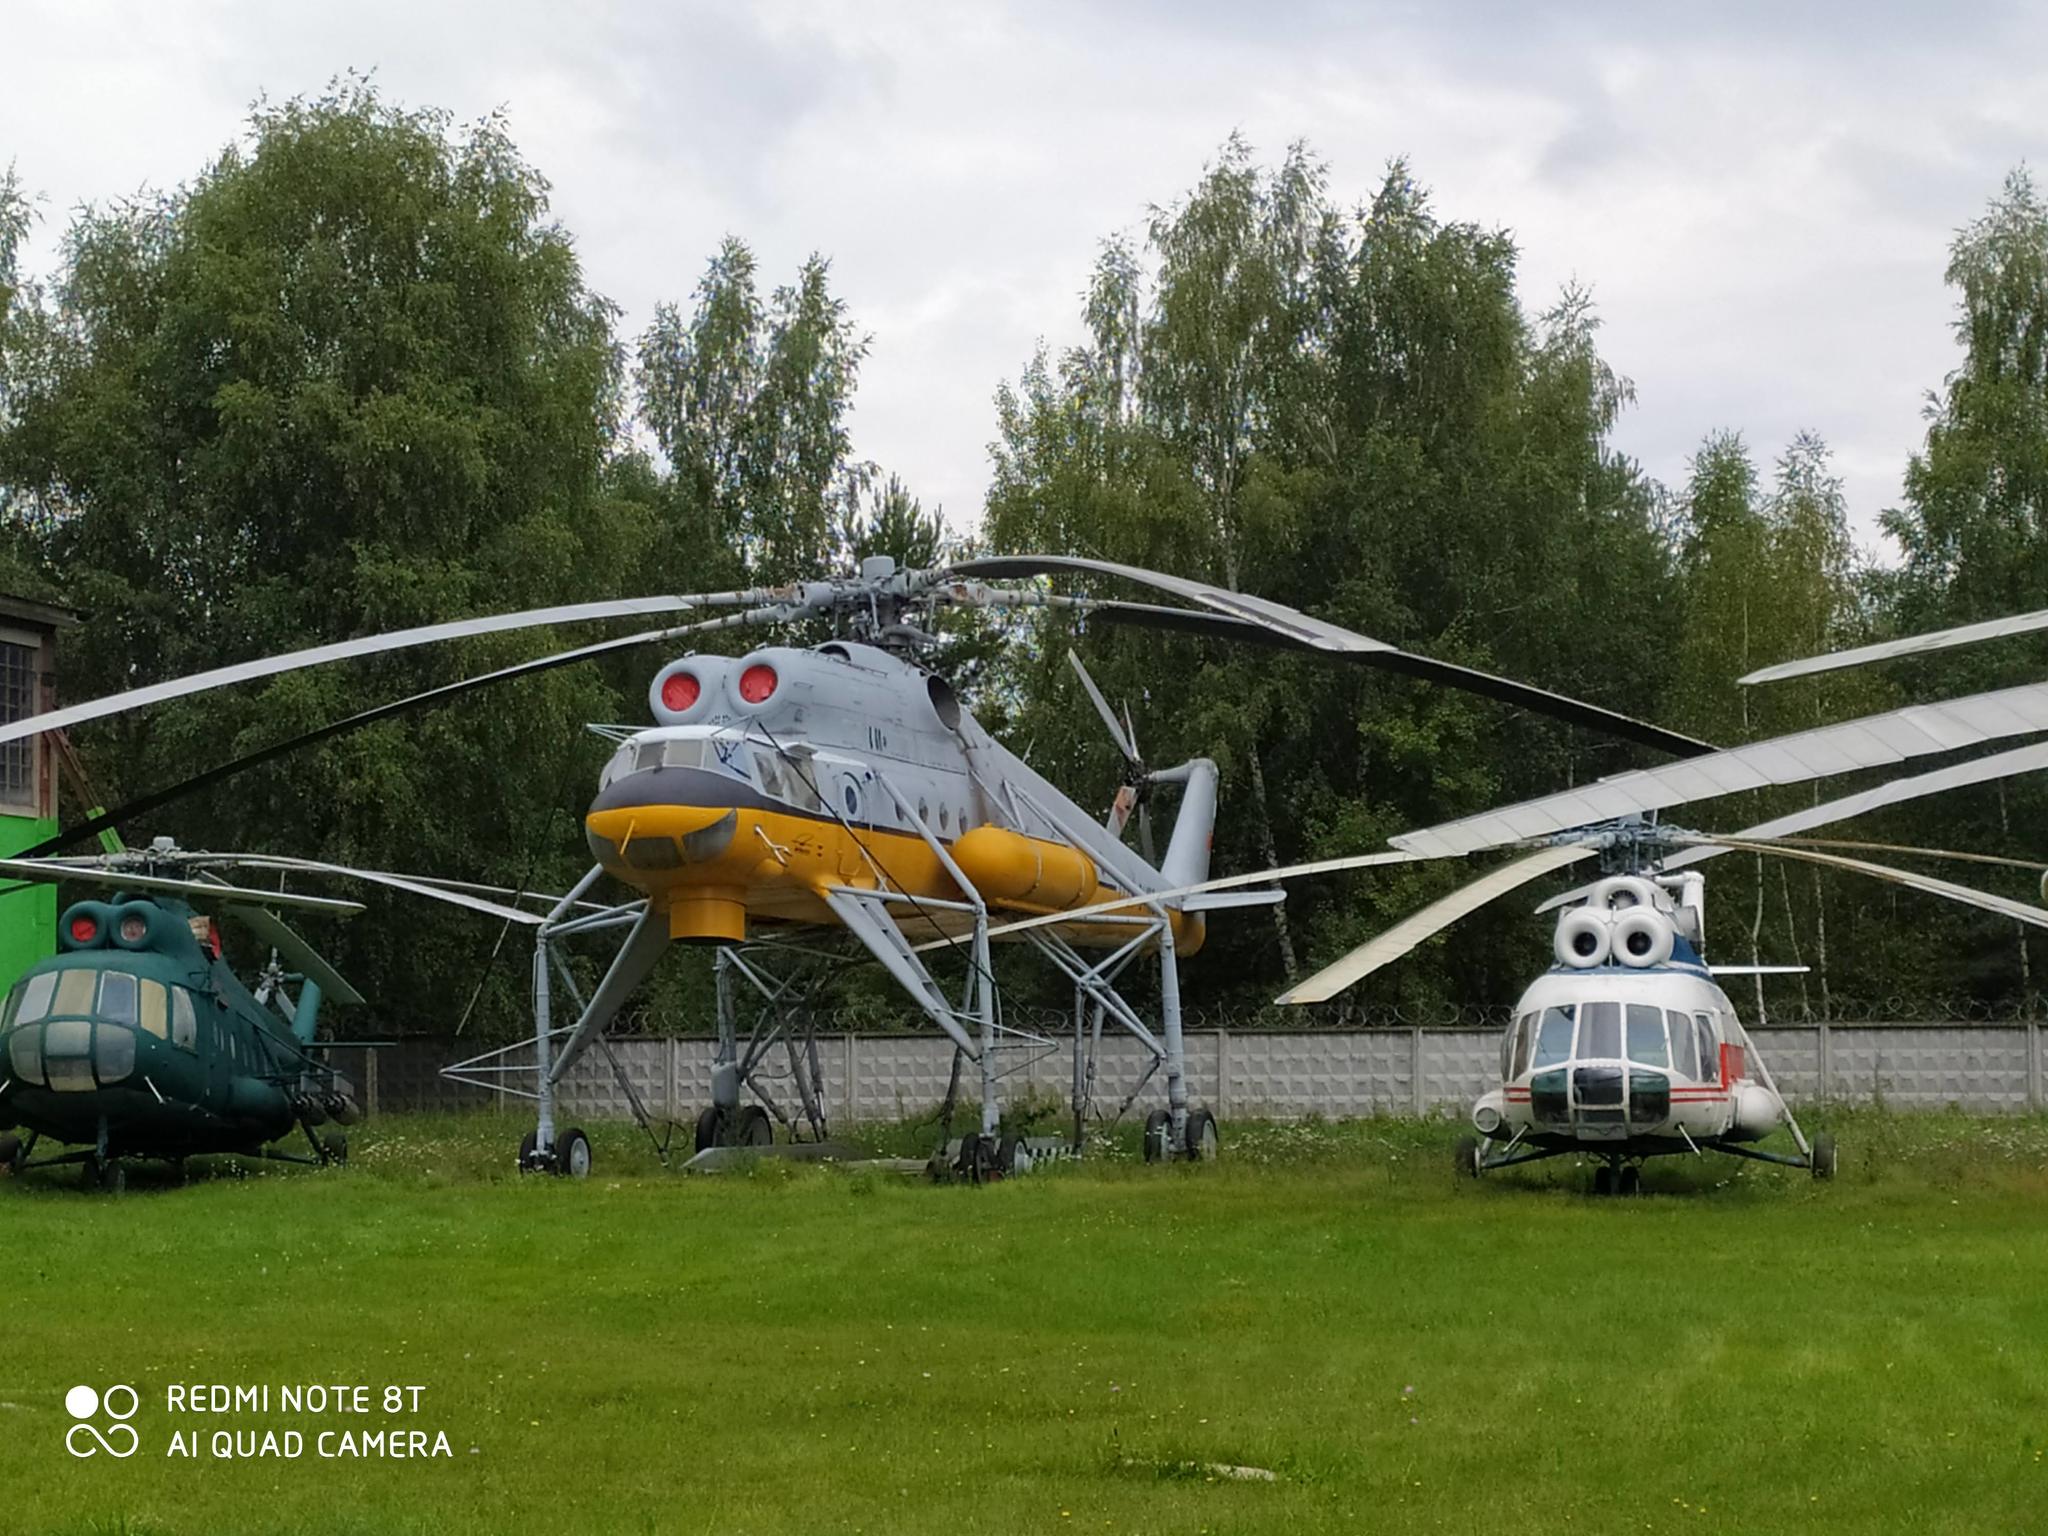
{"x":17,"y":702}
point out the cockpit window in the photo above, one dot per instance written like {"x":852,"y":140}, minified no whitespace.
{"x":1554,"y":1037}
{"x":1599,"y":1031}
{"x":683,"y":752}
{"x":153,"y":1007}
{"x":1710,"y":1055}
{"x":1685,"y":1048}
{"x":117,"y":997}
{"x":1525,"y":1036}
{"x":1646,"y":1036}
{"x":32,"y":999}
{"x":74,"y":992}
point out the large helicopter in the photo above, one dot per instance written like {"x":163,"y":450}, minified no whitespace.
{"x":139,"y":1040}
{"x":845,"y":788}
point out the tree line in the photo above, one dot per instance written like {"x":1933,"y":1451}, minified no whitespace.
{"x":351,"y":377}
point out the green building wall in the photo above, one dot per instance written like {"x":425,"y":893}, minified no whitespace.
{"x":28,"y":917}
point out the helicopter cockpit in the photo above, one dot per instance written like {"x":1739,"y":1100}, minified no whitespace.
{"x":74,"y":1026}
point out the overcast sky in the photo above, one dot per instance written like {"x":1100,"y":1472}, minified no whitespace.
{"x":1760,"y":197}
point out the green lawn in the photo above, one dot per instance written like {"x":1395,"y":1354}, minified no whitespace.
{"x":814,"y":1350}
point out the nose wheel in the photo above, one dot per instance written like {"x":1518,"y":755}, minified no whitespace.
{"x":1618,"y":1178}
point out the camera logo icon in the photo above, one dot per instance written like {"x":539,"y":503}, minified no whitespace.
{"x":86,"y":1438}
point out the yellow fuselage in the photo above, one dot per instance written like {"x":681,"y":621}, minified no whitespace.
{"x":713,"y":858}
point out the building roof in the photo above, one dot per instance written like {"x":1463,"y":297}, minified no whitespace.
{"x":33,"y":611}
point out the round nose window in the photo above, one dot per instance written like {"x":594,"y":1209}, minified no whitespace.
{"x":852,"y":798}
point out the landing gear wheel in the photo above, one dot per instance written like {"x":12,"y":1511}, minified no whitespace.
{"x":1158,"y":1129}
{"x":1630,"y":1182}
{"x":10,"y":1153}
{"x":1466,"y":1157}
{"x":1201,"y":1142}
{"x":754,"y":1128}
{"x":710,"y":1127}
{"x":572,"y":1154}
{"x":109,"y":1177}
{"x":1603,"y":1180}
{"x":334,"y":1149}
{"x":1012,"y":1157}
{"x":973,"y":1163}
{"x":527,"y":1146}
{"x":1823,"y":1159}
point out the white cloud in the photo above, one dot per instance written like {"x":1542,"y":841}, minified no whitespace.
{"x":1760,"y":198}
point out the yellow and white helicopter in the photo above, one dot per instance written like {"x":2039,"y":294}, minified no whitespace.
{"x":843,"y":786}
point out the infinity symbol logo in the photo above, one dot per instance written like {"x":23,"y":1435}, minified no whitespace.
{"x":105,"y":1444}
{"x":82,"y":1403}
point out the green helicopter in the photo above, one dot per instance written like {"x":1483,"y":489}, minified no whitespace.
{"x":137,"y":1040}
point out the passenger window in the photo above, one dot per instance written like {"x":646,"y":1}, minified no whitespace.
{"x":1646,"y":1036}
{"x":36,"y":993}
{"x":117,"y":997}
{"x":184,"y":1027}
{"x":1554,"y":1037}
{"x":1685,"y":1048}
{"x":1599,"y":1031}
{"x":152,"y":1009}
{"x":1710,"y":1055}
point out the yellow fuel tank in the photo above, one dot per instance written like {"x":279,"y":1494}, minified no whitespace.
{"x":1019,"y":871}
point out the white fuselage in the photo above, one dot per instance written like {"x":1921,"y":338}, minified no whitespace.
{"x":1618,"y":1056}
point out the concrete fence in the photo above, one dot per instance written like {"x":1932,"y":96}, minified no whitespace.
{"x":1268,"y":1074}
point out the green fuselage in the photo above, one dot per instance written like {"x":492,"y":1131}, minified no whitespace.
{"x":138,"y":1040}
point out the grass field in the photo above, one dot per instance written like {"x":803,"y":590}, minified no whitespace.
{"x":817,"y":1350}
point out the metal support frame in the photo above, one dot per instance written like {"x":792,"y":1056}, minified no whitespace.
{"x":874,"y":915}
{"x":782,"y":1019}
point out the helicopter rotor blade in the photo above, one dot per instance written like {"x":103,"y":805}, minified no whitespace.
{"x":1910,"y":645}
{"x":1871,"y":742}
{"x":406,"y":883}
{"x":1839,"y":845}
{"x":142,"y":805}
{"x":1121,"y":904}
{"x":1240,"y":617}
{"x":1116,"y":731}
{"x":2019,"y":911}
{"x":1978,"y":770}
{"x":1385,"y":948}
{"x":301,"y":956}
{"x":787,"y":600}
{"x":218,"y":893}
